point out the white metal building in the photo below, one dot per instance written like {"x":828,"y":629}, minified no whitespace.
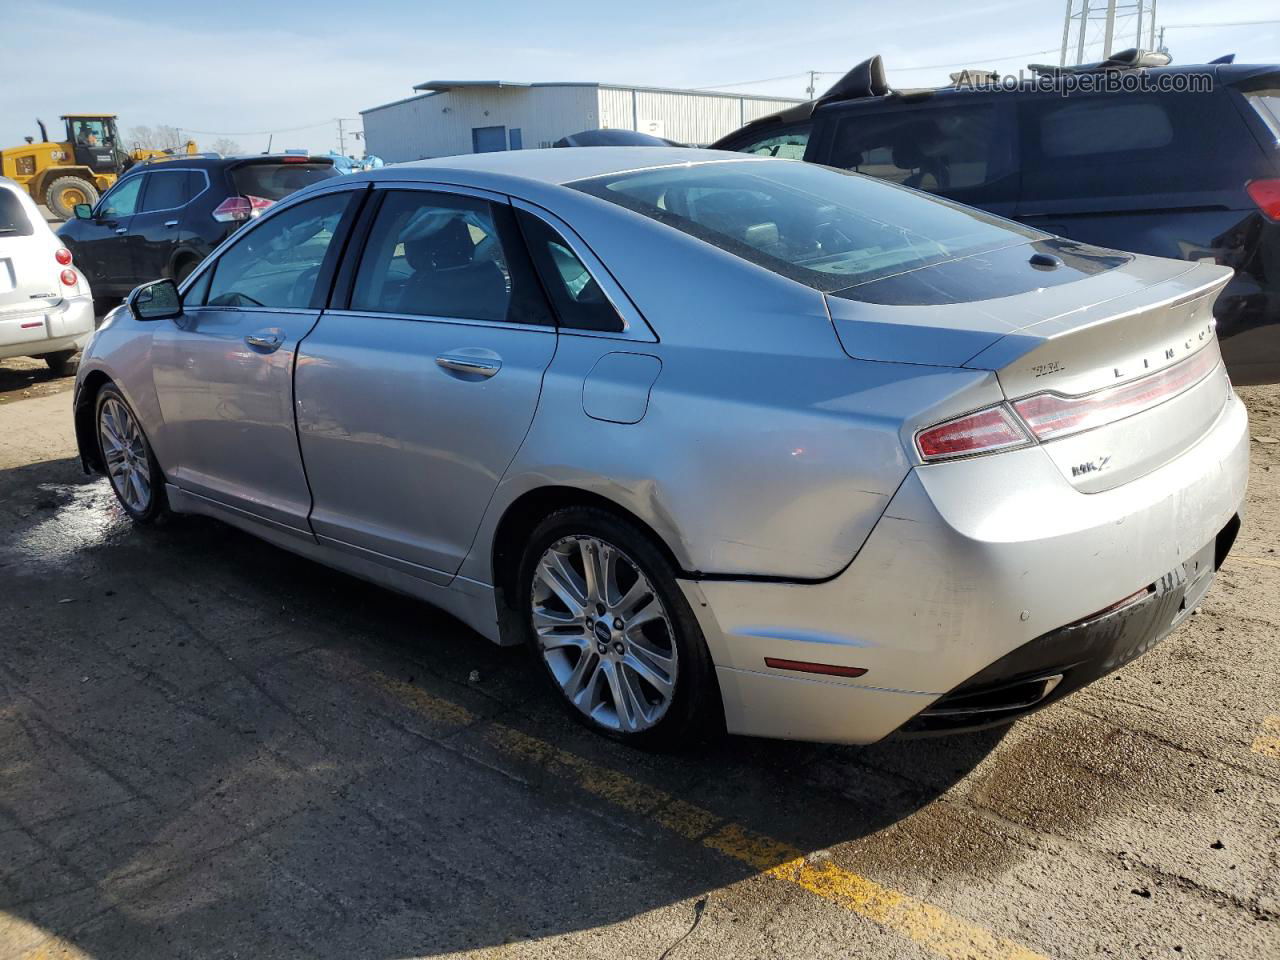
{"x":476,"y":116}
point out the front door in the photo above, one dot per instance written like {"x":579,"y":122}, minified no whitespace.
{"x":412,"y":402}
{"x":102,"y":242}
{"x":224,"y":369}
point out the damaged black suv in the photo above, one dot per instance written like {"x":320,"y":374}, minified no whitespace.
{"x":1185,"y":164}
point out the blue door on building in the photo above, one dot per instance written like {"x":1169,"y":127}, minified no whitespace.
{"x":517,"y":139}
{"x":488,"y":139}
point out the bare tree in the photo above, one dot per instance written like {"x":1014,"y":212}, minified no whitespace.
{"x":161,"y":137}
{"x":226,"y":146}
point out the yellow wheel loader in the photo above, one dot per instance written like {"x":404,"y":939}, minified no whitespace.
{"x":77,"y":169}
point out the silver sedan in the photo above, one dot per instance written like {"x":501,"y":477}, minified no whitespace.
{"x":730,"y":442}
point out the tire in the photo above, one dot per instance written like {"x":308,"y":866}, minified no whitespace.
{"x":128,"y":472}
{"x":62,"y":195}
{"x":62,"y":363}
{"x":591,"y":660}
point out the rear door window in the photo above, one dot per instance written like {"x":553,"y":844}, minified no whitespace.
{"x":278,"y":263}
{"x":13,"y":219}
{"x":580,"y":302}
{"x":275,"y":181}
{"x":434,"y":254}
{"x":166,"y":190}
{"x":964,"y":151}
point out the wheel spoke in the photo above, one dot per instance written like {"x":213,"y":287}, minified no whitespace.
{"x":623,"y":703}
{"x":650,"y":611}
{"x":561,"y":580}
{"x":582,"y":681}
{"x":646,"y":672}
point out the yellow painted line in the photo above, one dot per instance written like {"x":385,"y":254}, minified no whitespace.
{"x":948,"y":936}
{"x":1255,"y":561}
{"x":1268,"y":744}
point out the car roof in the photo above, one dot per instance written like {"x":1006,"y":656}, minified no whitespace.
{"x":558,"y":165}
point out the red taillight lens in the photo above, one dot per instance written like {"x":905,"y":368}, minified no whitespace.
{"x":63,"y":256}
{"x":1050,"y":416}
{"x":238,"y":209}
{"x":983,"y":432}
{"x":68,"y":278}
{"x":1266,"y":194}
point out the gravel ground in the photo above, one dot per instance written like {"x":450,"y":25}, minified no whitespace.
{"x":211,"y":748}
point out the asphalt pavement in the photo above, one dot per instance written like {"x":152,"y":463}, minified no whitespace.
{"x":211,"y":748}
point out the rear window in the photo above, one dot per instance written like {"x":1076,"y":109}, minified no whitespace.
{"x":13,"y":219}
{"x":823,"y":227}
{"x":275,"y":181}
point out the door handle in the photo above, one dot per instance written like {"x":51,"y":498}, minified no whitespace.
{"x":171,"y":223}
{"x":122,"y":229}
{"x":264,"y":341}
{"x":469,"y":366}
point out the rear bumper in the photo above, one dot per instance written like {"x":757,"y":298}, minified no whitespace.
{"x":972,"y":562}
{"x":1062,"y":661}
{"x":66,"y":326}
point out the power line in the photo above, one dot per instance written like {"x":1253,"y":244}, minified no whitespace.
{"x":1207,"y":26}
{"x":747,"y":83}
{"x":255,"y":133}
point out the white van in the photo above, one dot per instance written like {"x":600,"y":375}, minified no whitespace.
{"x":46,"y":309}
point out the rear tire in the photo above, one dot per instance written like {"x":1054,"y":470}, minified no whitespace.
{"x":650,"y":682}
{"x":62,"y":363}
{"x":127,"y":458}
{"x":62,"y":195}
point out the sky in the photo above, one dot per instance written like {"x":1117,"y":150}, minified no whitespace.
{"x":242,"y":68}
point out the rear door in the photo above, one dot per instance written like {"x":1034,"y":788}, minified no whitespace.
{"x":414,"y":396}
{"x":156,"y":228}
{"x":962,"y":147}
{"x":224,"y":369}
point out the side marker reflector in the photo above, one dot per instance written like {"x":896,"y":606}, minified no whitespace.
{"x":803,"y":666}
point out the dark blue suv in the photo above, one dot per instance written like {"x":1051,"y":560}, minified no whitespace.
{"x":1179,"y":162}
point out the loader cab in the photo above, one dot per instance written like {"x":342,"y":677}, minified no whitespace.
{"x":95,"y":142}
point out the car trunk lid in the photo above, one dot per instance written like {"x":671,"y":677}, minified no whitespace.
{"x":28,"y":271}
{"x":1136,"y":338}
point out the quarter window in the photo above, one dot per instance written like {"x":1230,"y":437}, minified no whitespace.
{"x":277,"y":264}
{"x":122,"y":201}
{"x":939,"y":150}
{"x":434,"y":254}
{"x":786,"y":146}
{"x":579,"y":301}
{"x":1101,"y":126}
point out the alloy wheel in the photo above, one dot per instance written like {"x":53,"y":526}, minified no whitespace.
{"x":604,"y":633}
{"x":125,"y":451}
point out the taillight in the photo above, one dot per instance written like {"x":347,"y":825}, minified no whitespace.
{"x":238,"y":209}
{"x":983,"y":432}
{"x":1266,"y":194}
{"x":63,"y":256}
{"x":1050,"y":415}
{"x":68,"y":278}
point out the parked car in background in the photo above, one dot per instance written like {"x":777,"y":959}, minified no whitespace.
{"x":727,"y":441}
{"x":162,"y":218}
{"x":614,"y":137}
{"x":1192,"y":175}
{"x":46,"y":309}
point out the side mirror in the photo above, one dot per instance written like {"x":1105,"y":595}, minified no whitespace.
{"x":83,"y":211}
{"x":157,"y":300}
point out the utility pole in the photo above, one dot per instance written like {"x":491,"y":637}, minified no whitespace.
{"x":342,"y":140}
{"x":342,"y":132}
{"x":813,"y":78}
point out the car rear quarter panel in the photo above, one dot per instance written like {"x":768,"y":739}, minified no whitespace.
{"x":764,"y":449}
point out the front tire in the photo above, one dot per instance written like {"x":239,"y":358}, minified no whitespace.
{"x":614,"y":634}
{"x":64,"y":193}
{"x":127,"y":458}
